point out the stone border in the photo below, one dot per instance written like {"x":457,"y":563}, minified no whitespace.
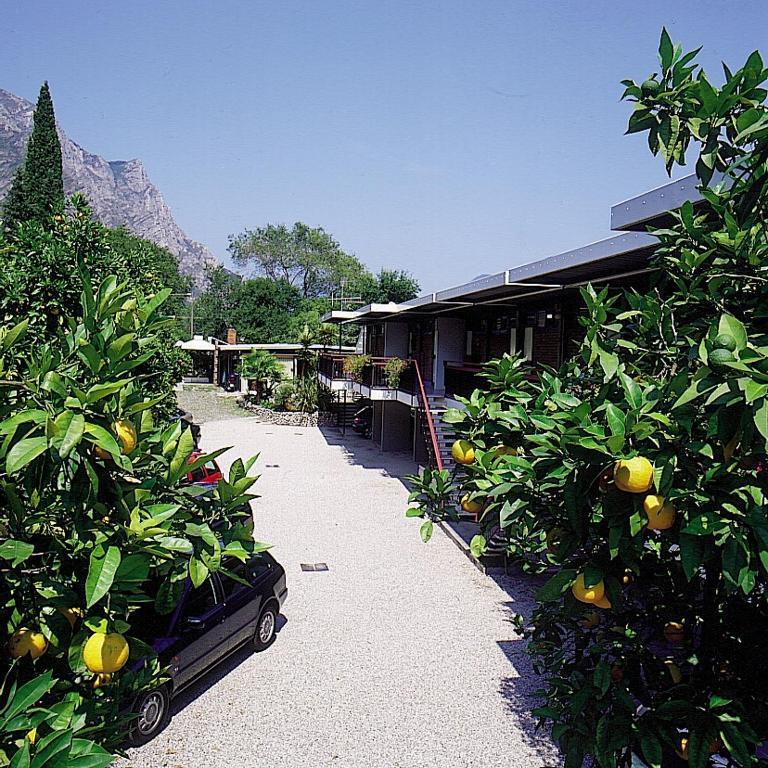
{"x":287,"y":418}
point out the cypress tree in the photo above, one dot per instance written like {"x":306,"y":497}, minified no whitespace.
{"x":43,"y":178}
{"x":38,"y":187}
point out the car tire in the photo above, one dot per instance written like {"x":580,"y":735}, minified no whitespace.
{"x":153,"y":711}
{"x":266,"y":629}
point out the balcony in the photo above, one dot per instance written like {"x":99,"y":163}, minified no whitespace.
{"x":372,"y":380}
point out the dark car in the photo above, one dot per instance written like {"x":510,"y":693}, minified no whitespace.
{"x":185,"y":417}
{"x":209,"y":624}
{"x":362,"y":420}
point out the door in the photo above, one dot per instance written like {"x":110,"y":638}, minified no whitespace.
{"x":243,"y":603}
{"x":201,"y":631}
{"x":425,"y":349}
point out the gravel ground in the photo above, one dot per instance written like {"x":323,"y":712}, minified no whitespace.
{"x":402,"y":655}
{"x":209,"y":403}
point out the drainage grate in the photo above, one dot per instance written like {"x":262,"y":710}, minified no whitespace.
{"x":314,"y":566}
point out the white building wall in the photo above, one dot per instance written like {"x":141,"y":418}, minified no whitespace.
{"x":450,"y":345}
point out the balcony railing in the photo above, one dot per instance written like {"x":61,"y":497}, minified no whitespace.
{"x":373,"y":375}
{"x":462,"y":378}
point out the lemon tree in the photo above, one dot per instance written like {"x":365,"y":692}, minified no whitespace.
{"x":640,"y":472}
{"x":96,"y":521}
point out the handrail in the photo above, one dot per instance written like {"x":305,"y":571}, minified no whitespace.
{"x":425,"y":404}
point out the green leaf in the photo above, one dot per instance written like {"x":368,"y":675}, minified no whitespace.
{"x":666,"y":50}
{"x":103,"y":438}
{"x":21,"y":758}
{"x":426,"y":530}
{"x":24,"y":452}
{"x":198,"y":571}
{"x":555,"y":587}
{"x":651,"y":748}
{"x":16,"y":551}
{"x":26,"y":696}
{"x":184,"y":448}
{"x":73,"y":431}
{"x":692,"y":550}
{"x":414,"y":512}
{"x":101,"y":573}
{"x":760,"y":418}
{"x":477,"y":545}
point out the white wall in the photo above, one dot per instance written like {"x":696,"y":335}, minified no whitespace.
{"x":450,"y":343}
{"x":396,"y":339}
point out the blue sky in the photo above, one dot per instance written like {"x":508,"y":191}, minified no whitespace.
{"x":446,"y":138}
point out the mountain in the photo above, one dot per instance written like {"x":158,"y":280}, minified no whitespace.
{"x":119,"y":191}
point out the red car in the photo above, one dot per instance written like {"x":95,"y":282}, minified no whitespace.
{"x":206,"y":476}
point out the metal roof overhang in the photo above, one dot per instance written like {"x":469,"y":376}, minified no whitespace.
{"x":619,"y":256}
{"x":653,"y":208}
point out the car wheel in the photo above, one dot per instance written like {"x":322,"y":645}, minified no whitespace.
{"x":153,"y":711}
{"x":266,"y":629}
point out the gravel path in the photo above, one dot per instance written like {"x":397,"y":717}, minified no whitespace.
{"x":209,"y":403}
{"x":402,"y":655}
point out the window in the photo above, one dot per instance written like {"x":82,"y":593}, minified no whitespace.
{"x":201,"y":600}
{"x":249,"y":571}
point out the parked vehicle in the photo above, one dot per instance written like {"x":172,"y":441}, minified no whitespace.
{"x":208,"y":625}
{"x":206,"y":476}
{"x":363,"y":419}
{"x":185,"y":417}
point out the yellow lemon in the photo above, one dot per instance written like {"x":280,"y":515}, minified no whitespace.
{"x":104,"y":654}
{"x":660,"y":514}
{"x":505,"y":450}
{"x":126,"y":434}
{"x":472,"y":506}
{"x":603,"y":602}
{"x":633,"y":475}
{"x":463,"y":452}
{"x":26,"y":641}
{"x":589,"y":595}
{"x":31,"y":736}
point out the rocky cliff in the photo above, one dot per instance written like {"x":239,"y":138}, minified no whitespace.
{"x":119,"y":191}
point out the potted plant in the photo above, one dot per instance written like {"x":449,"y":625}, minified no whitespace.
{"x":393,"y":370}
{"x":354,"y":365}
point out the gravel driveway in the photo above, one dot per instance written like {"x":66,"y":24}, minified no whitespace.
{"x":402,"y":655}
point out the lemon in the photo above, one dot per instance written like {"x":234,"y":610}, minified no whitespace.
{"x":104,"y":654}
{"x":463,"y":452}
{"x":126,"y":434}
{"x":603,"y":602}
{"x":633,"y":475}
{"x":589,"y":595}
{"x":26,"y":641}
{"x":471,"y":505}
{"x":661,"y":515}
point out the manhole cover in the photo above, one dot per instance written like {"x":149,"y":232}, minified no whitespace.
{"x":314,"y":566}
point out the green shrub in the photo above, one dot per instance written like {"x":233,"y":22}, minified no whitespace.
{"x":94,"y":515}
